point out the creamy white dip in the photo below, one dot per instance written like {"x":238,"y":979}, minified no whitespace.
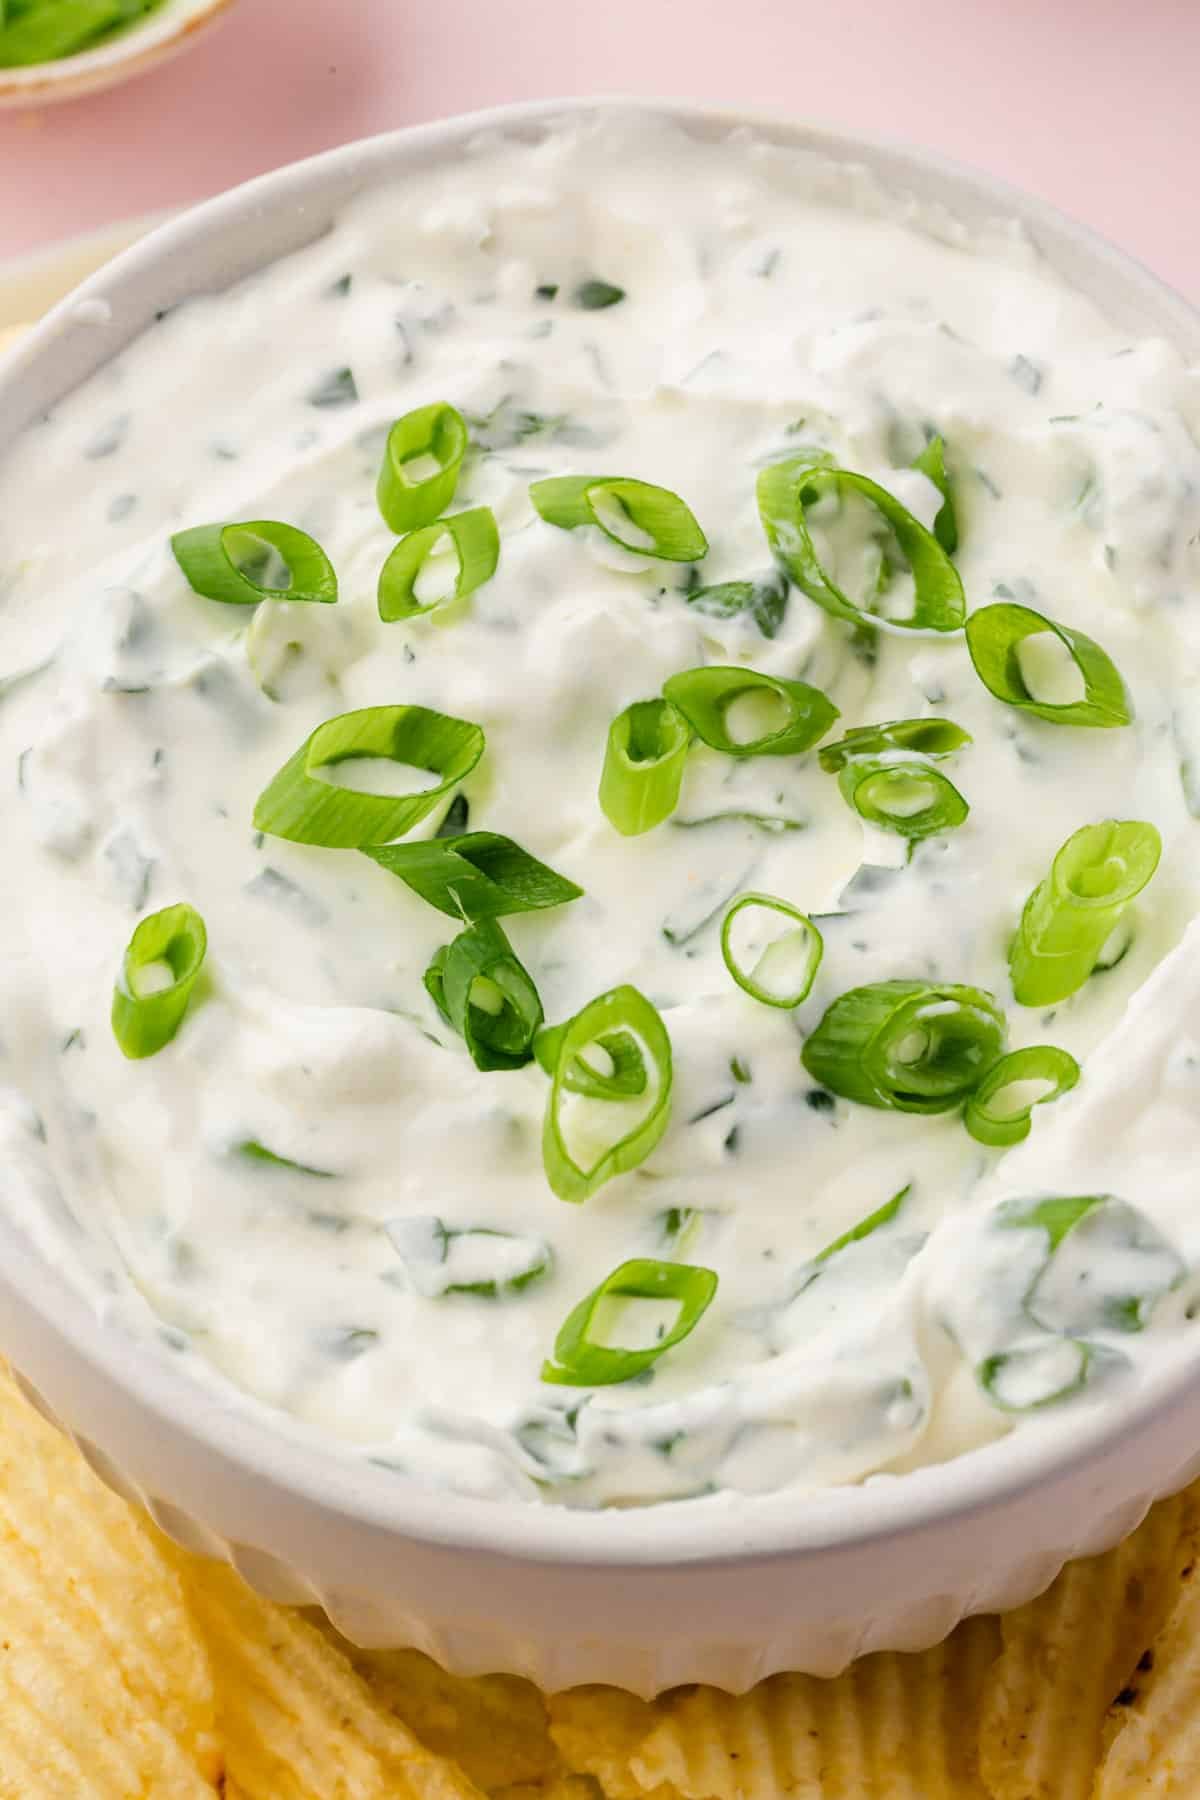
{"x":768,"y":300}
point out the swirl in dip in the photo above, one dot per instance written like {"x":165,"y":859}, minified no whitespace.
{"x":310,"y":1192}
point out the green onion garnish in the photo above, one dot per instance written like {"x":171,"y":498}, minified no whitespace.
{"x":1070,"y":916}
{"x":441,"y":1259}
{"x":990,"y":1120}
{"x":883,"y":1215}
{"x":909,"y":1046}
{"x":906,"y":796}
{"x":595,"y":296}
{"x":623,"y":1075}
{"x":932,"y":464}
{"x":582,"y":1362}
{"x":476,"y":543}
{"x":1040,"y":1373}
{"x":995,"y":635}
{"x":480,"y":875}
{"x":785,"y":492}
{"x":421,"y":465}
{"x":254,"y":1151}
{"x":302,"y":803}
{"x":784,"y":968}
{"x":1106,"y":1264}
{"x":929,"y":738}
{"x":643,"y":765}
{"x":649,"y":520}
{"x":231,"y":563}
{"x":158,"y":973}
{"x":705,"y":697}
{"x":764,"y":601}
{"x":486,"y":994}
{"x":45,"y":32}
{"x":625,"y":1130}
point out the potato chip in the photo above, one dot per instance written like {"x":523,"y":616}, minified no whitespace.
{"x":105,"y":1688}
{"x":891,"y":1726}
{"x":296,"y":1721}
{"x":1152,"y":1730}
{"x":1067,"y":1654}
{"x":598,"y":1730}
{"x":494,"y":1726}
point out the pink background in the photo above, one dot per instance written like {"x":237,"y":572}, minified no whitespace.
{"x":1090,"y":103}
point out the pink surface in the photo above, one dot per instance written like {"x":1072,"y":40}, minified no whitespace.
{"x":1090,"y":103}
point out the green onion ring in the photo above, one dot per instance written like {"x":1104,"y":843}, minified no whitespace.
{"x":907,"y":1046}
{"x":787,"y":489}
{"x":1069,"y":917}
{"x":438,"y":431}
{"x":479,"y":875}
{"x":498,"y":1035}
{"x":175,"y":939}
{"x":643,"y":766}
{"x":932,"y":464}
{"x":579,"y":1362}
{"x":659,"y":522}
{"x":621,"y":1010}
{"x":477,"y":544}
{"x":298,"y":804}
{"x":626,"y":1073}
{"x":928,"y":738}
{"x":994,"y":636}
{"x":1039,"y":1062}
{"x":207,"y":554}
{"x":881,"y":793}
{"x":751,"y":980}
{"x":704,"y":697}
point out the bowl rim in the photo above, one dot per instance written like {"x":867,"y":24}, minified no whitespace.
{"x":249,"y":1443}
{"x":175,"y":25}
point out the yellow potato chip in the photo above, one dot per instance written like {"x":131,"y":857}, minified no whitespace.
{"x":105,"y":1688}
{"x":494,"y":1726}
{"x":296,"y":1721}
{"x":891,"y":1725}
{"x":1153,"y":1725}
{"x":598,"y":1731}
{"x":557,"y":1787}
{"x":1067,"y":1654}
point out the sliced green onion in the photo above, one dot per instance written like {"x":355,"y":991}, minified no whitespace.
{"x":441,"y":1259}
{"x":787,"y":489}
{"x":627,"y":1129}
{"x":909,"y":797}
{"x":649,"y":520}
{"x":582,"y":1362}
{"x":1041,"y":1373}
{"x":802,"y":943}
{"x":476,"y":544}
{"x":883,"y":1215}
{"x":908,"y":1046}
{"x":158,"y":973}
{"x":422,"y":461}
{"x":487,"y":995}
{"x":253,"y":1151}
{"x":930,"y":738}
{"x":302,"y":804}
{"x":623,"y":1076}
{"x":595,"y":296}
{"x":1070,"y":916}
{"x":480,"y":875}
{"x":932,"y":464}
{"x":643,"y":765}
{"x":46,"y":33}
{"x":994,"y":638}
{"x":705,"y":696}
{"x":989,"y":1121}
{"x":763,"y":601}
{"x":229,"y":563}
{"x":1106,"y":1265}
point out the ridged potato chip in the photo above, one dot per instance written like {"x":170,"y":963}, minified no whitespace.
{"x":105,"y":1688}
{"x":494,"y":1726}
{"x":1067,"y":1654}
{"x":1153,"y":1726}
{"x":296,"y":1721}
{"x":598,"y":1731}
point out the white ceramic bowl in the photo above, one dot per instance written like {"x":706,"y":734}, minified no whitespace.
{"x":724,"y":1589}
{"x":176,"y":26}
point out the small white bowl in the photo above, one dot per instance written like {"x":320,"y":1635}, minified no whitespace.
{"x":724,"y":1589}
{"x":175,"y":26}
